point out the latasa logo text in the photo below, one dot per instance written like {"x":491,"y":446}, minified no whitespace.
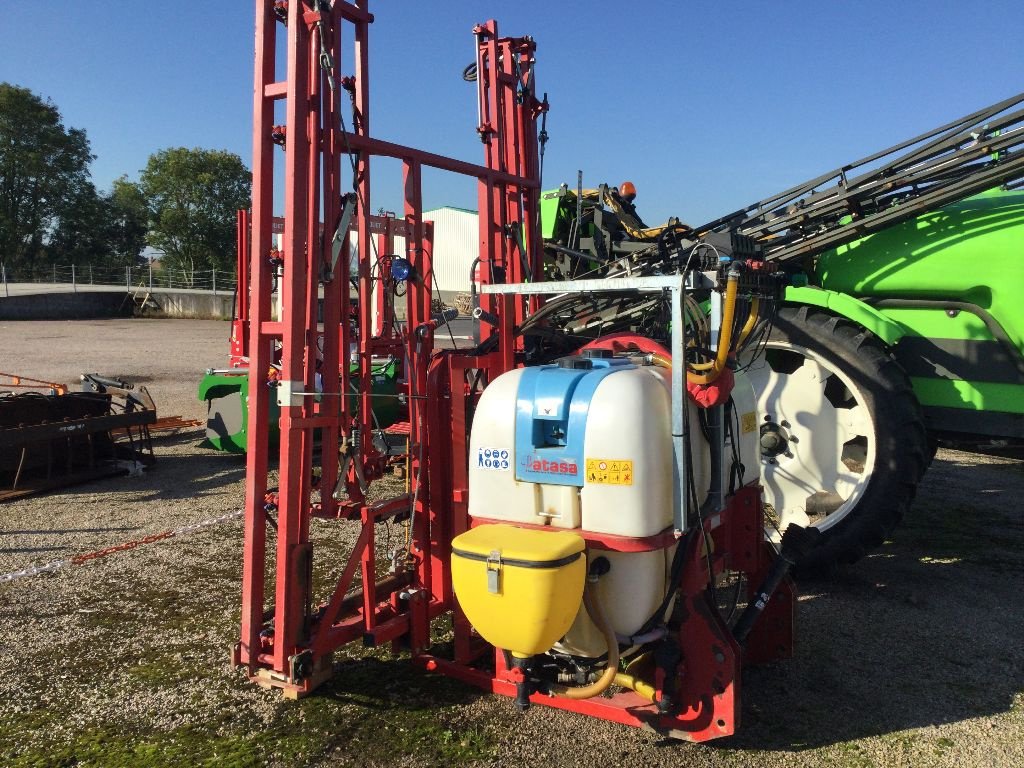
{"x":533,"y":464}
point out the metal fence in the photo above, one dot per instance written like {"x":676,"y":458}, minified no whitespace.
{"x":132,"y":278}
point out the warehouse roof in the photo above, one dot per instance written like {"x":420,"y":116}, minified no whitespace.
{"x":449,"y":208}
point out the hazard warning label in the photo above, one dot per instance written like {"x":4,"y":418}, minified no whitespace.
{"x":610,"y":471}
{"x":748,"y":422}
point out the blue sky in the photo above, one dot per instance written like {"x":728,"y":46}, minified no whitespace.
{"x":705,"y":106}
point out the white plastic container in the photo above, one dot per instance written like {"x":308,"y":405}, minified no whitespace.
{"x":628,"y":593}
{"x":746,"y":423}
{"x":494,"y":491}
{"x":626,"y":489}
{"x":628,"y":445}
{"x":630,"y":420}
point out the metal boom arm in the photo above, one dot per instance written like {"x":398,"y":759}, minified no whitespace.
{"x":977,"y":152}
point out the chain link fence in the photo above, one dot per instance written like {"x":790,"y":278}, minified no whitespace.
{"x":136,"y":278}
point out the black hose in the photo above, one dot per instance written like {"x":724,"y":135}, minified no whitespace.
{"x":796,"y":542}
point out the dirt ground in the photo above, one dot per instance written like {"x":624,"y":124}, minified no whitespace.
{"x":912,"y":657}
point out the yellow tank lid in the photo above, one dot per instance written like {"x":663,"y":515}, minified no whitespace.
{"x":549,"y":549}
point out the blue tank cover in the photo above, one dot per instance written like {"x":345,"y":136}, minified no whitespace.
{"x":552,"y":404}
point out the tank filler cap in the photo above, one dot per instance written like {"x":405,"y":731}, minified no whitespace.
{"x":598,"y":354}
{"x":575,"y":363}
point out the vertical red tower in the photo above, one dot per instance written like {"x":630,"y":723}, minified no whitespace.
{"x":325,"y":144}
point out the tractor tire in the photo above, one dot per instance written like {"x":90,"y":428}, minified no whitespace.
{"x":843,"y":443}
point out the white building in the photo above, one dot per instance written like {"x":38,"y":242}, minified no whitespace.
{"x":456,"y":246}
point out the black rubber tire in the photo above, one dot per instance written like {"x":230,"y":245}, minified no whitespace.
{"x":901,"y":443}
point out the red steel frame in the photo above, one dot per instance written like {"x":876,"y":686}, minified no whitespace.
{"x":288,"y":643}
{"x":386,"y":229}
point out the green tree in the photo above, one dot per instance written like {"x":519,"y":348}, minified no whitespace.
{"x":44,"y":169}
{"x":127,"y":223}
{"x":193,"y":196}
{"x":79,"y":234}
{"x":103,"y":229}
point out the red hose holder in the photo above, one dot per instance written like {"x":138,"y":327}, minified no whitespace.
{"x":715,"y":393}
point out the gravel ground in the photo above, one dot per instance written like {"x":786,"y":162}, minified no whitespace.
{"x":912,"y":657}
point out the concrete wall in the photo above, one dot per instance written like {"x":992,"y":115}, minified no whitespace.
{"x":96,"y":303}
{"x":66,"y":306}
{"x":114,"y":303}
{"x":202,"y":306}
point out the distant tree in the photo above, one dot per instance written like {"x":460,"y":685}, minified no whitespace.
{"x":128,"y":222}
{"x":103,"y":229}
{"x":44,"y":170}
{"x":80,"y":232}
{"x":193,"y":196}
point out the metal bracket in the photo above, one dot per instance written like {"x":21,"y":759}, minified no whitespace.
{"x":340,"y":235}
{"x":514,"y":232}
{"x":494,"y":572}
{"x":289,"y":393}
{"x":300,"y":666}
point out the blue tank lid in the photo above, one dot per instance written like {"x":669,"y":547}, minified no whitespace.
{"x":552,"y":404}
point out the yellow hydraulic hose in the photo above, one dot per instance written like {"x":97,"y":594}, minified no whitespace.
{"x":660,"y":360}
{"x":604,"y":682}
{"x":748,"y":327}
{"x":725,"y":340}
{"x":745,"y":332}
{"x":637,"y":686}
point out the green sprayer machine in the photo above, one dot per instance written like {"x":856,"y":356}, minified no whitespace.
{"x":900,"y":330}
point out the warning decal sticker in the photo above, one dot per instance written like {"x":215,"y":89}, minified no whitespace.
{"x":748,"y":422}
{"x":493,"y":458}
{"x":610,"y":471}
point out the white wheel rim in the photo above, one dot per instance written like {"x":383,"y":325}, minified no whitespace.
{"x":834,"y":449}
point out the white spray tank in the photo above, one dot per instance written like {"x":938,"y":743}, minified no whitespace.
{"x":586,"y":444}
{"x":744,"y":430}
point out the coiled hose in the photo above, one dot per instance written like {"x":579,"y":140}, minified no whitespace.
{"x":611,"y":670}
{"x":715,"y":368}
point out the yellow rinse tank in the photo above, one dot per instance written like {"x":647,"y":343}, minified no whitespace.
{"x":520,"y":588}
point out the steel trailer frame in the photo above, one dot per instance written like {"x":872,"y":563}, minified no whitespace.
{"x":384,"y":228}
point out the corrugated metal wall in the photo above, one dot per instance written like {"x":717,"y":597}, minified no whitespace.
{"x":456,"y":236}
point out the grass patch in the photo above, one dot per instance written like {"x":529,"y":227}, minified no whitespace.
{"x":109,"y":746}
{"x":851,"y":755}
{"x":373,"y":712}
{"x":401,"y":710}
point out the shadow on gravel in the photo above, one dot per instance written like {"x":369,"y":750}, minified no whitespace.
{"x":394,"y":684}
{"x":173,"y":476}
{"x":192,"y":436}
{"x":194,"y":475}
{"x":24,"y":550}
{"x":381,"y":709}
{"x":50,"y":531}
{"x":924,"y":632}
